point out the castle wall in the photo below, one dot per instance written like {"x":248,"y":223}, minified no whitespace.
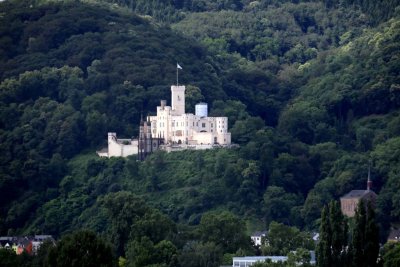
{"x":203,"y":138}
{"x":121,"y":147}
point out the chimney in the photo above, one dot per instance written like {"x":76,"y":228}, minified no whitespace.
{"x":163,"y":104}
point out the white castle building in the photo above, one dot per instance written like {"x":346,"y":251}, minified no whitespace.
{"x":173,"y":129}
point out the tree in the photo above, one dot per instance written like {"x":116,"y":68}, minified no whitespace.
{"x":81,"y":249}
{"x":125,"y":209}
{"x":278,"y":203}
{"x":281,"y":239}
{"x":339,"y":237}
{"x":195,"y":254}
{"x":391,"y":256}
{"x":192,"y":97}
{"x":8,"y":258}
{"x":140,"y":252}
{"x":358,"y":256}
{"x":331,"y":249}
{"x":225,"y":230}
{"x":365,"y":245}
{"x":300,"y":257}
{"x":324,"y":258}
{"x":371,"y":238}
{"x":133,"y":220}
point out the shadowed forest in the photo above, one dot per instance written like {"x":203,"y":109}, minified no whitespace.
{"x":311,"y":90}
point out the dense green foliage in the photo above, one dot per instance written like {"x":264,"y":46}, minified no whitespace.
{"x":283,"y":239}
{"x":391,"y":256}
{"x":311,"y":90}
{"x":82,"y":248}
{"x":333,"y":248}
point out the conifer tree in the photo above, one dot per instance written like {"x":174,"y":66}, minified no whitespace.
{"x":364,"y":249}
{"x":371,"y":247}
{"x":331,"y":249}
{"x":339,"y":234}
{"x":359,"y":235}
{"x":323,"y":247}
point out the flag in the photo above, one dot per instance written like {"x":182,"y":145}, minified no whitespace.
{"x":178,"y":66}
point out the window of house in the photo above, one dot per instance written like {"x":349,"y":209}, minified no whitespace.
{"x":203,"y":125}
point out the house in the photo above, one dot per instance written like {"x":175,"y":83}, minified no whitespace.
{"x":349,"y":202}
{"x":28,"y":244}
{"x":250,"y":260}
{"x":257,"y":237}
{"x":394,"y":236}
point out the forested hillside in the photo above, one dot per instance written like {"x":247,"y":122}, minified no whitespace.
{"x":311,"y":90}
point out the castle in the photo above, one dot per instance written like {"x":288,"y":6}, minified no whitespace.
{"x":172,"y":129}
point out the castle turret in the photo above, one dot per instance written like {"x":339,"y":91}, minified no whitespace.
{"x":178,"y":99}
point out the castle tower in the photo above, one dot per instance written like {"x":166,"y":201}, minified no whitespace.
{"x":178,"y":99}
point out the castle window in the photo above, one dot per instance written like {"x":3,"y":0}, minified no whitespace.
{"x":203,"y":125}
{"x":212,"y":125}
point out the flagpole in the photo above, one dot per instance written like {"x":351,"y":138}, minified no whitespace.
{"x":177,"y":73}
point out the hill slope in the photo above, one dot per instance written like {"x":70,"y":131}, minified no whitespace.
{"x":310,"y":99}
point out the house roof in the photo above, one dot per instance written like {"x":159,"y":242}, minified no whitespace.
{"x":358,"y":193}
{"x":259,"y":233}
{"x":261,"y":258}
{"x":394,"y":235}
{"x":23,"y":240}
